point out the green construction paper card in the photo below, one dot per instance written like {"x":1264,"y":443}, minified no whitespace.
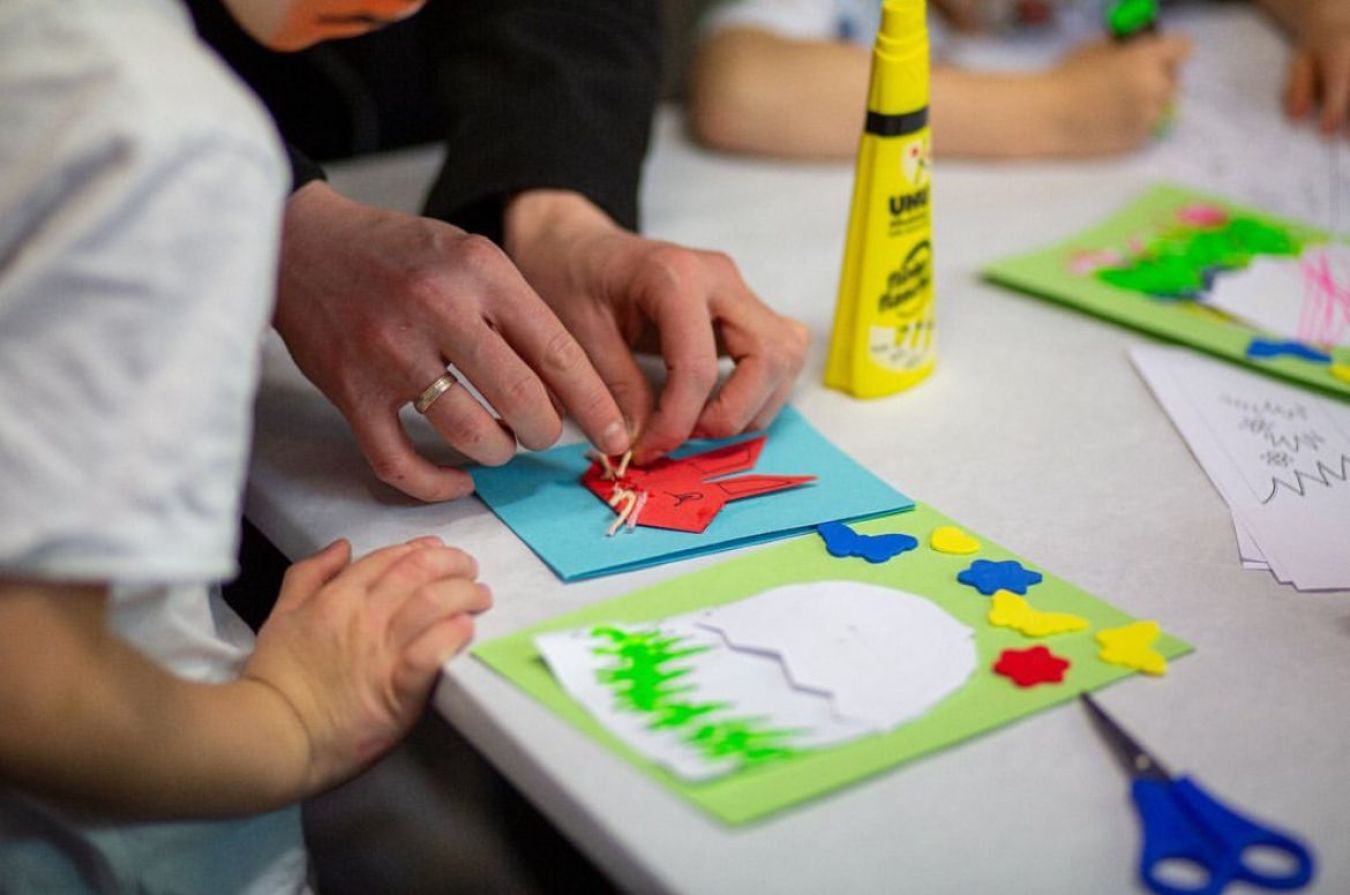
{"x":1065,"y":273}
{"x":986,"y":702}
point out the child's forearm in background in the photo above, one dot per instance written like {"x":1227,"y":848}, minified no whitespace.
{"x":755,"y":92}
{"x":90,"y":720}
{"x":1292,"y":14}
{"x":1003,"y":115}
{"x":758,"y":93}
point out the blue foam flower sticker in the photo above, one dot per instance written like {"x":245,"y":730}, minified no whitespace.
{"x":987,"y":576}
{"x":842,"y":541}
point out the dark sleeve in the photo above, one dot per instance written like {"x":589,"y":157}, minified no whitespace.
{"x":250,"y":61}
{"x":543,"y":93}
{"x":303,"y":168}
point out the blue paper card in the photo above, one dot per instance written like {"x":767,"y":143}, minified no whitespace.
{"x":541,"y":498}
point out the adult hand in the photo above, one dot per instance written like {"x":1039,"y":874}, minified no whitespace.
{"x":617,"y":292}
{"x":1319,"y":71}
{"x":1112,"y":97}
{"x":354,"y":648}
{"x":373,"y":304}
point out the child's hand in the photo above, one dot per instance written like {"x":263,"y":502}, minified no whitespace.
{"x":354,"y":648}
{"x":1319,"y":72}
{"x":1111,"y":97}
{"x":963,"y":15}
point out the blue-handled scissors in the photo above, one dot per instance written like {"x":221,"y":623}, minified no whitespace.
{"x":1183,"y":823}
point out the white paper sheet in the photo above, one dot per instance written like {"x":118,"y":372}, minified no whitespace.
{"x":1280,"y":456}
{"x":1248,"y":550}
{"x":826,"y":662}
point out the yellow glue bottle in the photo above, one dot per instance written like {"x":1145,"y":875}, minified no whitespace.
{"x":883,"y":323}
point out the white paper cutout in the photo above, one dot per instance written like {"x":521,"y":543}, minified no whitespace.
{"x":821,"y":664}
{"x":885,"y":656}
{"x":717,"y":671}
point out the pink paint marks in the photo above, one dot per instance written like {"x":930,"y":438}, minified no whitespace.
{"x":1324,"y":317}
{"x":1086,"y":262}
{"x":1202,"y":214}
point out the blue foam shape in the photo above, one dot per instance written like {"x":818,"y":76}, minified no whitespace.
{"x":843,"y":542}
{"x":987,"y":576}
{"x":1259,"y":349}
{"x":540,"y":497}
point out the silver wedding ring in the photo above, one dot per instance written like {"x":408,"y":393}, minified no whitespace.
{"x":428,"y":397}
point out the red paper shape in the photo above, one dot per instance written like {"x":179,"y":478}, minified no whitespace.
{"x":1029,"y":667}
{"x":681,"y":494}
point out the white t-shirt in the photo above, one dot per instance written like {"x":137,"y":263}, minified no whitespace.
{"x":140,"y":196}
{"x":855,"y":21}
{"x":1005,"y":46}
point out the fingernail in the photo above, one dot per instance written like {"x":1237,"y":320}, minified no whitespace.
{"x":614,"y":438}
{"x":454,"y":652}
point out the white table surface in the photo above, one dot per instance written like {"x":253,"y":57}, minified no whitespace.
{"x":1034,"y":431}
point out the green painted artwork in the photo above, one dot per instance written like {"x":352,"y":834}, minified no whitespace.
{"x":1152,"y":265}
{"x":1182,"y":260}
{"x":786,"y":673}
{"x":645,"y":679}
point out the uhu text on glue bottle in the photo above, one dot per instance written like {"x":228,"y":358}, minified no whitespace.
{"x":883,"y":339}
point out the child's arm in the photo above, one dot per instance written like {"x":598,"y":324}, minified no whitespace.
{"x":753,"y":91}
{"x":1319,"y":71}
{"x":341,"y":670}
{"x":1102,"y":98}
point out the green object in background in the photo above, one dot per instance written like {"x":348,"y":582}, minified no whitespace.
{"x":1130,"y":18}
{"x":1137,"y":233}
{"x":1179,"y":262}
{"x":985,"y":703}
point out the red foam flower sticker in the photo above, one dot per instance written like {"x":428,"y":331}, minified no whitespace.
{"x":1029,"y":667}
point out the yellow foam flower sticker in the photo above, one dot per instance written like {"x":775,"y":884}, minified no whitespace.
{"x":1008,"y":610}
{"x":1132,"y":647}
{"x":1341,"y":371}
{"x":950,"y":539}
